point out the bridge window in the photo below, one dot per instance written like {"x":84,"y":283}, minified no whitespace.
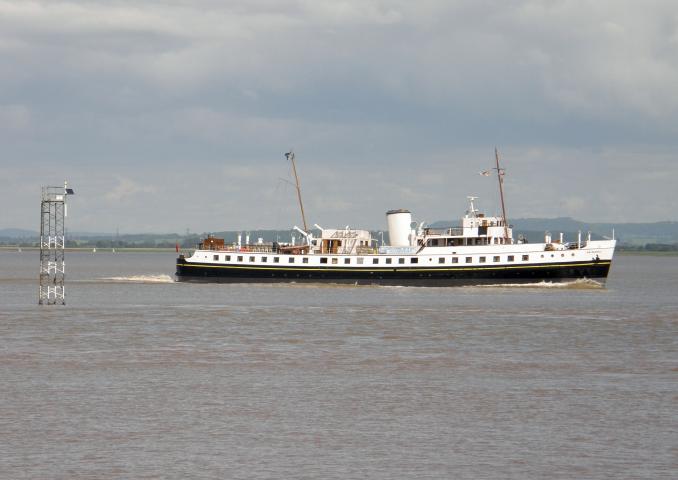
{"x":251,"y":259}
{"x":240,"y":258}
{"x":509,"y":258}
{"x":323,"y":259}
{"x":216,"y":257}
{"x":375,"y":261}
{"x":335,"y":260}
{"x":304,"y":260}
{"x":389,"y":260}
{"x":414,"y":260}
{"x":347,"y":261}
{"x":496,"y":258}
{"x":228,"y":258}
{"x":482,"y":259}
{"x":401,"y":260}
{"x":455,"y":259}
{"x":264,"y":259}
{"x":276,"y":259}
{"x":469,"y":259}
{"x":526,"y":258}
{"x":441,"y":259}
{"x":290,"y":259}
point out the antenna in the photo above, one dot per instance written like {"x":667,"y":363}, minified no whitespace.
{"x":500,"y":178}
{"x":290,"y":156}
{"x":471,"y":207}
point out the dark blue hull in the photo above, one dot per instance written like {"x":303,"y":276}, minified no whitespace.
{"x":432,"y":276}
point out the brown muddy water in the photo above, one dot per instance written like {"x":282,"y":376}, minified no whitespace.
{"x":141,"y":377}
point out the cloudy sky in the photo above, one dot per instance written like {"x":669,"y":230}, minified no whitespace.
{"x":176,"y":114}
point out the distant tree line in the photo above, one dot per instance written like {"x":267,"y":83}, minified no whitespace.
{"x":649,"y":247}
{"x":191,"y":241}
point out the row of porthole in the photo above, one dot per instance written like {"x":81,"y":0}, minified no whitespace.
{"x":375,"y":260}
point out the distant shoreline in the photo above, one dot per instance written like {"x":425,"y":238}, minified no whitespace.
{"x":645,"y":253}
{"x":11,"y":248}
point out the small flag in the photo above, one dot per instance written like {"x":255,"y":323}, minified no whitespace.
{"x":177,"y":247}
{"x":485,"y":173}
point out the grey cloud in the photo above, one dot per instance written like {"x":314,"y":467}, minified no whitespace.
{"x":391,"y":102}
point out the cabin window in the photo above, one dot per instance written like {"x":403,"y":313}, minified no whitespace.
{"x":441,"y":259}
{"x":251,"y":259}
{"x":469,"y":259}
{"x":414,"y":260}
{"x":375,"y":261}
{"x":509,"y":258}
{"x":335,"y":260}
{"x":264,"y":259}
{"x":389,"y":260}
{"x":401,"y":260}
{"x":347,"y":261}
{"x":455,"y":260}
{"x":216,"y":257}
{"x":228,"y":258}
{"x":304,"y":260}
{"x":495,"y":258}
{"x":240,"y":258}
{"x":526,"y":258}
{"x":360,"y":260}
{"x":290,"y":259}
{"x":481,"y":259}
{"x":323,"y":259}
{"x":276,"y":259}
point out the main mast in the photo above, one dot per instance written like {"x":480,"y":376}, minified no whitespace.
{"x":290,"y":156}
{"x":500,"y":178}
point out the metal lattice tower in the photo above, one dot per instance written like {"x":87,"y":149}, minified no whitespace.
{"x":52,"y":242}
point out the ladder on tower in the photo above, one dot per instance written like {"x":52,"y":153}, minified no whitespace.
{"x":52,"y":245}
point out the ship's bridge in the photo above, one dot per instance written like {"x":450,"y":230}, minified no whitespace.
{"x":476,"y":229}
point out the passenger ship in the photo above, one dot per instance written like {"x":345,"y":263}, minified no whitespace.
{"x":479,"y":251}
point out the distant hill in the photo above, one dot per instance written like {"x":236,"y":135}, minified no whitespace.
{"x":17,"y":233}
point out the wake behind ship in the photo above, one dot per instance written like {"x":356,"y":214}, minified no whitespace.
{"x":481,"y":250}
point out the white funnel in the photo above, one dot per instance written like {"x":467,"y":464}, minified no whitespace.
{"x":399,"y":227}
